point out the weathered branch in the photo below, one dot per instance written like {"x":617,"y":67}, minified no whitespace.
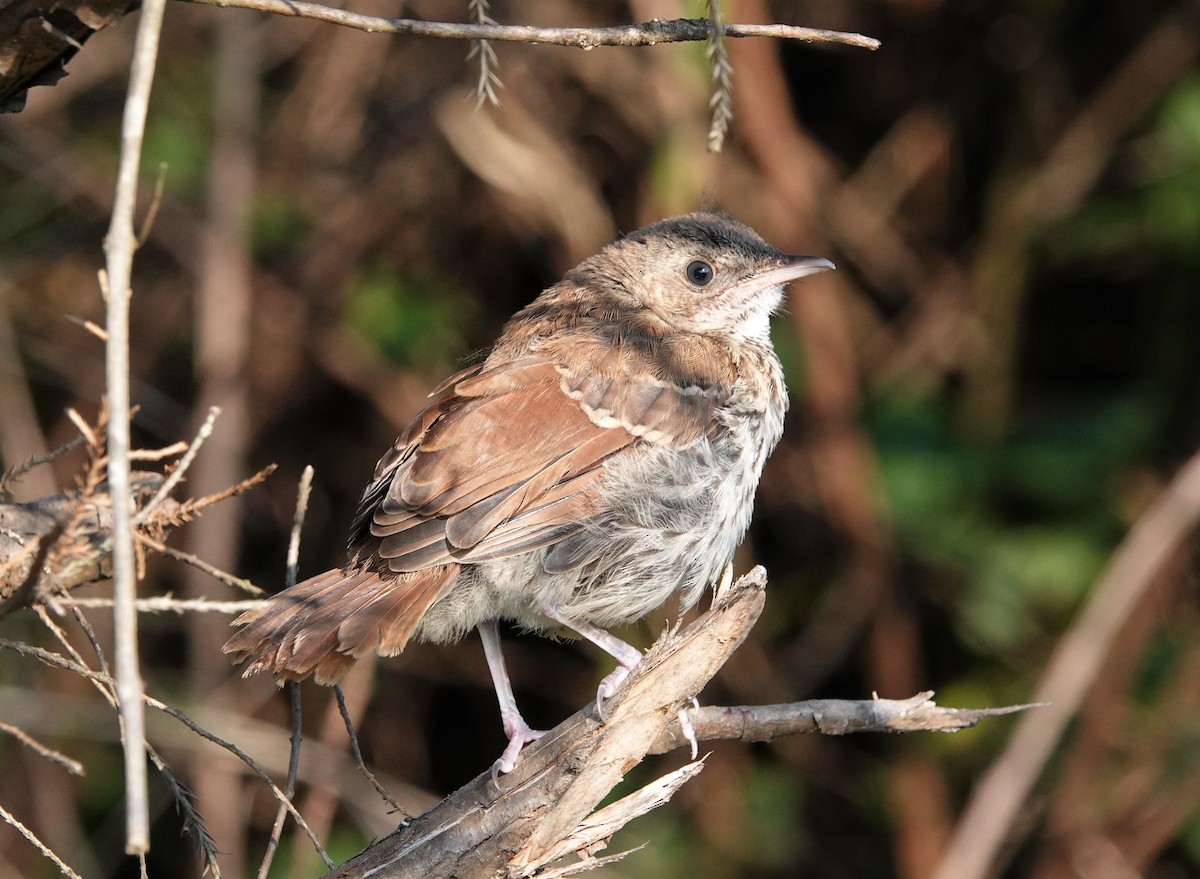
{"x":542,"y":811}
{"x":39,"y":553}
{"x":479,"y":830}
{"x":37,"y":37}
{"x":830,"y":717}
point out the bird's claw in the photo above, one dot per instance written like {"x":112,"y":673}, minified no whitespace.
{"x":687,"y":730}
{"x":518,"y":738}
{"x":609,"y":686}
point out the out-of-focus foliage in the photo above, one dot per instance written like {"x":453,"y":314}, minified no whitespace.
{"x":988,"y":393}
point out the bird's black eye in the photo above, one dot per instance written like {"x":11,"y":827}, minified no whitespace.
{"x":699,"y":272}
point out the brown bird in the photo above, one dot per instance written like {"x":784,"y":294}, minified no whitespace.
{"x":602,"y":458}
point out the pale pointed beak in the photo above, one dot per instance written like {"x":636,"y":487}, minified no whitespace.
{"x":792,"y":267}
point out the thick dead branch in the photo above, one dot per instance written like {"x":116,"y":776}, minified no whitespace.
{"x":542,"y":812}
{"x":37,"y":37}
{"x":65,"y":536}
{"x":480,"y":831}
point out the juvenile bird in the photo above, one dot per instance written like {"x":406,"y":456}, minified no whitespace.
{"x":604,"y":456}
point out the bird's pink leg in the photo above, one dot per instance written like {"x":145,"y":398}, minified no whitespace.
{"x":518,"y":731}
{"x":627,"y":655}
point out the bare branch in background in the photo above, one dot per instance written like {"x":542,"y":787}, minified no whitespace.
{"x":8,"y":818}
{"x":995,"y":806}
{"x":119,"y":245}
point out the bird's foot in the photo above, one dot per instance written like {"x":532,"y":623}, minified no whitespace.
{"x":626,"y":655}
{"x":519,"y":735}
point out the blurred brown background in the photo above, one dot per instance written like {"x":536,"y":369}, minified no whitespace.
{"x":988,"y":393}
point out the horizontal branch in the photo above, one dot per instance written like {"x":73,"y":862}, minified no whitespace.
{"x":831,"y":717}
{"x":648,"y":33}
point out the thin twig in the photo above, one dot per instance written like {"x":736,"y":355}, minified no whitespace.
{"x":119,"y":245}
{"x":196,"y":504}
{"x":72,"y":766}
{"x":289,"y":787}
{"x":250,"y":762}
{"x":192,"y":821}
{"x":157,"y":454}
{"x":303,"y":491}
{"x":14,"y":473}
{"x":358,"y":757}
{"x":37,"y":843}
{"x":168,"y":604}
{"x":649,"y":33}
{"x":181,"y":468}
{"x":211,"y":570}
{"x":83,"y":427}
{"x":160,"y":184}
{"x":91,"y":326}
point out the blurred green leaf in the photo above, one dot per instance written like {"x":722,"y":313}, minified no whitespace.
{"x":412,"y":319}
{"x":1027,"y":522}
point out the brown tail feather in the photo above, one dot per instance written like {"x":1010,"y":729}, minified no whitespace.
{"x":322,"y":625}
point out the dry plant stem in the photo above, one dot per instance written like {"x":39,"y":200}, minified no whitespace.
{"x":996,"y":803}
{"x":103,"y":683}
{"x":721,"y":102}
{"x":187,"y":557}
{"x":303,"y":491}
{"x":37,"y":843}
{"x":72,"y":766}
{"x":648,"y":33}
{"x":13,"y":474}
{"x":119,"y":245}
{"x":168,"y":604}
